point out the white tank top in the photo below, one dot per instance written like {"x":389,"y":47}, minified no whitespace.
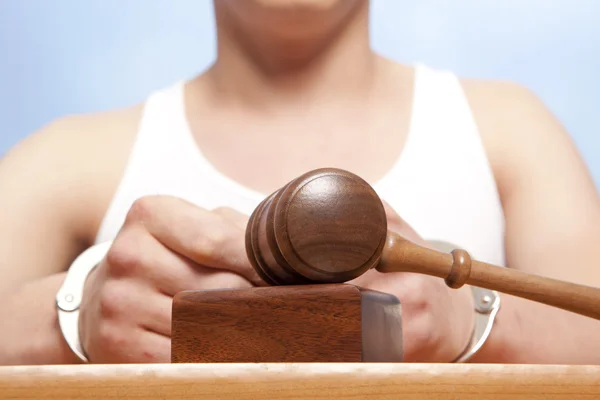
{"x":441,"y":184}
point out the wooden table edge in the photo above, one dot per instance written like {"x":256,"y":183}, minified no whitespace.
{"x":302,"y":380}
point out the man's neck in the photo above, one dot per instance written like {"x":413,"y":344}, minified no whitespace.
{"x":267,"y":73}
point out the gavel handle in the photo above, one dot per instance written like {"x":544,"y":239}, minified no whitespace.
{"x":457,"y":269}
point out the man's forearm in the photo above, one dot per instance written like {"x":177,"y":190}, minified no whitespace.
{"x":532,"y":333}
{"x":524,"y":332}
{"x":30,"y":333}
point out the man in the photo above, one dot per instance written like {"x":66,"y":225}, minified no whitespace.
{"x":295,"y":87}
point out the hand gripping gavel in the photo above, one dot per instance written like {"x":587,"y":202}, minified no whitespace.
{"x":330,"y":226}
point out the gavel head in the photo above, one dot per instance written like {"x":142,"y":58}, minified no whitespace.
{"x":326,"y":226}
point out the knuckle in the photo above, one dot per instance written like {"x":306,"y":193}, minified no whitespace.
{"x":419,"y":292}
{"x":204,"y":247}
{"x":218,"y":238}
{"x":123,"y":258}
{"x":110,"y":301}
{"x":141,"y":209}
{"x":111,"y":339}
{"x":428,"y":335}
{"x":233,"y":217}
{"x":211,"y":243}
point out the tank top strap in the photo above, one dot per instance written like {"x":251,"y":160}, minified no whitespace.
{"x":442,"y":184}
{"x":152,"y":156}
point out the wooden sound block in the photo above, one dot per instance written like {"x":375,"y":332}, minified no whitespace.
{"x":305,"y":323}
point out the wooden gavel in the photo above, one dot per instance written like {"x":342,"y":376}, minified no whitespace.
{"x":330,"y":226}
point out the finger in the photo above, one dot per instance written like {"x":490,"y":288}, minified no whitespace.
{"x":156,"y":313}
{"x":137,"y":254}
{"x":239,"y":219}
{"x":437,"y":321}
{"x":137,"y":345}
{"x":204,"y":237}
{"x":154,"y":349}
{"x":418,"y":336}
{"x":365,"y":279}
{"x":138,"y":306}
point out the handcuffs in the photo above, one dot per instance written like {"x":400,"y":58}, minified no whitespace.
{"x":69,"y":296}
{"x":487,"y":305}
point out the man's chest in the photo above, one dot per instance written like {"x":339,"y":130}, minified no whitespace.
{"x":263,"y":158}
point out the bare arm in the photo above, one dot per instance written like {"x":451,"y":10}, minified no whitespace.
{"x":552,"y":212}
{"x":54,"y":188}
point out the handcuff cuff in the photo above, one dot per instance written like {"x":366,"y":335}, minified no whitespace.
{"x":486,"y":303}
{"x":69,"y":296}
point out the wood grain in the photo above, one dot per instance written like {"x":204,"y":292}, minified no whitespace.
{"x":401,"y":255}
{"x":302,"y":381}
{"x":307,"y":323}
{"x":311,"y":323}
{"x":329,"y":226}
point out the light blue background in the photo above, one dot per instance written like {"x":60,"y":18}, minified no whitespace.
{"x":70,"y":56}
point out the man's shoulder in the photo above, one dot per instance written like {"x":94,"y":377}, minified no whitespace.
{"x":77,"y":147}
{"x":80,"y":137}
{"x":506,"y":111}
{"x":506,"y":104}
{"x":103,"y":128}
{"x":74,"y":163}
{"x":514,"y":124}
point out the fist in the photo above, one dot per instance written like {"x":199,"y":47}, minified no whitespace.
{"x":437,"y":321}
{"x":165,"y":245}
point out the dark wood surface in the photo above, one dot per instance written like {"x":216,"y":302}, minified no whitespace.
{"x":329,"y":226}
{"x":312,"y":323}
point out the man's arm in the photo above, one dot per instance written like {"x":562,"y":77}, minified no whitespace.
{"x":54,"y":188}
{"x":552,"y":212}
